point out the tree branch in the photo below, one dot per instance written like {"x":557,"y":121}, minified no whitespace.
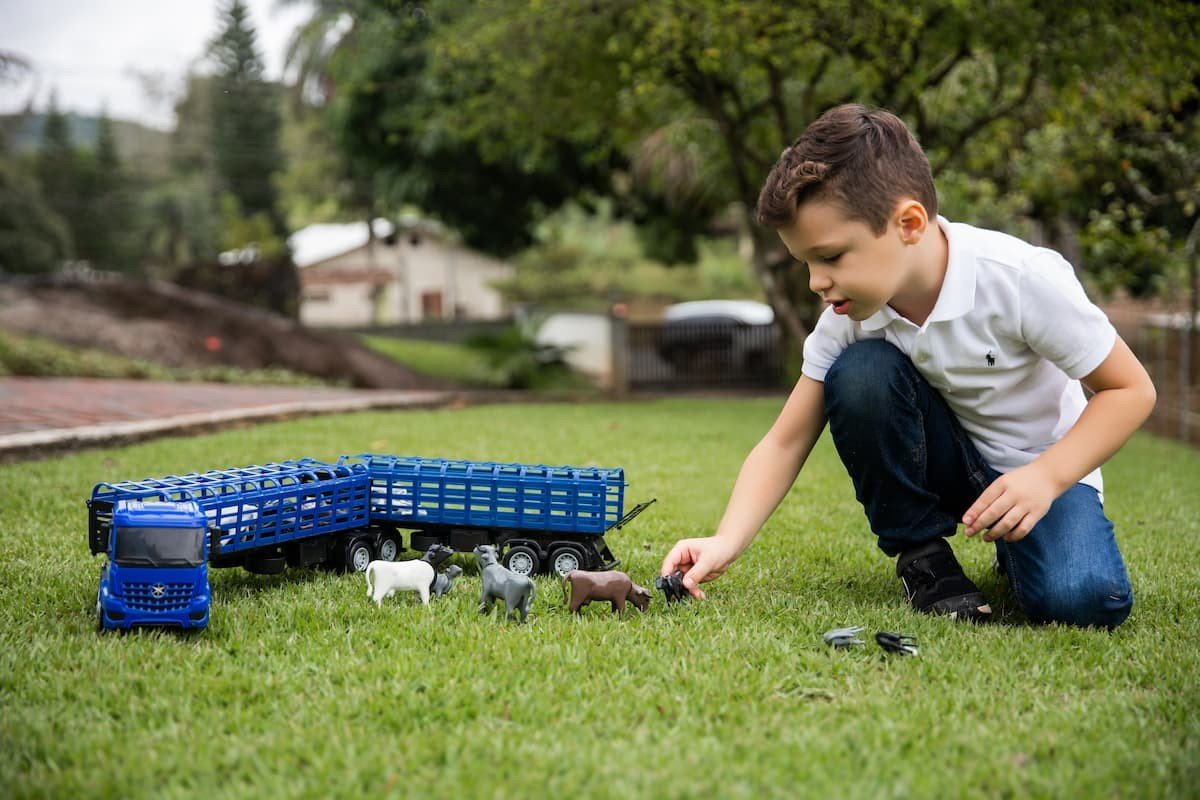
{"x":807,"y":111}
{"x":997,"y":112}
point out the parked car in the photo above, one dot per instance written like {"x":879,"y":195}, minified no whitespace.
{"x":724,"y":334}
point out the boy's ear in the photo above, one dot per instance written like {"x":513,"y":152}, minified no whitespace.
{"x":912,"y":220}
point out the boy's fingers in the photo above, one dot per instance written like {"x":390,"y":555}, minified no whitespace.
{"x":691,"y":581}
{"x":980,"y":514}
{"x":1006,"y":524}
{"x":675,"y":559}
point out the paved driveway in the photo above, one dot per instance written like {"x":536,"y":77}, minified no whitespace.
{"x":56,"y":413}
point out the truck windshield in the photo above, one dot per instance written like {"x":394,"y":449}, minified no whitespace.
{"x":160,"y":547}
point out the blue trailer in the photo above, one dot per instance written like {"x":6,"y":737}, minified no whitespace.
{"x":546,"y":519}
{"x":344,"y":515}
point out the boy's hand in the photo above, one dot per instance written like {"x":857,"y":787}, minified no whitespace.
{"x":700,"y":560}
{"x":1012,"y":505}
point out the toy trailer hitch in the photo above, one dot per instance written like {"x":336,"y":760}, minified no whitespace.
{"x":639,"y":508}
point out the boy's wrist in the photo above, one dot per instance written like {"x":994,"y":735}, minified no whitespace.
{"x":1053,"y":474}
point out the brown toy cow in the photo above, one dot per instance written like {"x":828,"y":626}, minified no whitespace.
{"x":613,"y":586}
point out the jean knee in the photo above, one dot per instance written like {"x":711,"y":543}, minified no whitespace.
{"x":862,"y":375}
{"x":1090,"y":600}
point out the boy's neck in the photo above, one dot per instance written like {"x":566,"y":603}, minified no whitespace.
{"x":915,"y":303}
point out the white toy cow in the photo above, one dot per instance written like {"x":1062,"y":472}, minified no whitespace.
{"x":394,"y":576}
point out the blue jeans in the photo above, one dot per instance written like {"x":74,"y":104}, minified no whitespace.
{"x":916,"y":472}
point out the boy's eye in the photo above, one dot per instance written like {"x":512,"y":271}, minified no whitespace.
{"x":833,"y":259}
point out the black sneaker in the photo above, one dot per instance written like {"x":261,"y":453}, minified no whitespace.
{"x":935,"y":583}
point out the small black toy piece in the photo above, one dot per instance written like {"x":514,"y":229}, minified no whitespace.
{"x":900,"y":643}
{"x":672,"y":586}
{"x":437,"y":554}
{"x":843,"y":637}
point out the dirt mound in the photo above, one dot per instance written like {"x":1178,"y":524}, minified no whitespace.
{"x":183,"y":328}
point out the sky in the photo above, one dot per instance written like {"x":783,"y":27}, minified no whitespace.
{"x":91,"y":51}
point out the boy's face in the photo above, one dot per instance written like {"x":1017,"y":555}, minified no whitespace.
{"x":850,"y":268}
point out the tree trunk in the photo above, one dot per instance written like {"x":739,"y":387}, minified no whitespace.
{"x":777,"y":294}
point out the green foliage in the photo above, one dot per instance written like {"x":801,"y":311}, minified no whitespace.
{"x":587,"y":260}
{"x":181,"y":226}
{"x":33,"y":237}
{"x":245,"y":117}
{"x":397,"y":125}
{"x":301,"y":687}
{"x":686,"y":106}
{"x":240,"y":231}
{"x":314,"y":186}
{"x":34,"y":357}
{"x":514,"y":359}
{"x":90,"y":192}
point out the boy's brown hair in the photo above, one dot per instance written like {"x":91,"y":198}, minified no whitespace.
{"x":863,"y":159}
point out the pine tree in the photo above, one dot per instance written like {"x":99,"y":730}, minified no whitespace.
{"x":245,"y":118}
{"x":110,"y":207}
{"x":56,"y":166}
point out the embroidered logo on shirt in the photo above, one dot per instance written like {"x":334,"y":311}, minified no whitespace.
{"x":991,"y":359}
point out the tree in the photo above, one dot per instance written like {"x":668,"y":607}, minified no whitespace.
{"x":56,"y":168}
{"x":736,"y":83}
{"x":33,"y":238}
{"x":12,"y":68}
{"x":389,"y":115}
{"x":103,"y":226}
{"x":245,"y":118}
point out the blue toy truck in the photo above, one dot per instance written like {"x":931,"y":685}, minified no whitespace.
{"x":263,"y":518}
{"x":344,"y":515}
{"x":157,"y":567}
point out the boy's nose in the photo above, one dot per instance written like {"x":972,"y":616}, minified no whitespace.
{"x":818,"y":281}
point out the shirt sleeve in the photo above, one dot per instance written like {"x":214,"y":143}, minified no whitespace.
{"x":1057,"y":319}
{"x":829,"y":338}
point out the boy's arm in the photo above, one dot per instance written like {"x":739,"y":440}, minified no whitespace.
{"x":1124,"y":397}
{"x":765,"y":477}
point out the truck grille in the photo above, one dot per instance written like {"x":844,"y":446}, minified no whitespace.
{"x":169,"y":597}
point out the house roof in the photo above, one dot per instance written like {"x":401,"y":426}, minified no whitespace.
{"x":318,"y":243}
{"x":324,"y":241}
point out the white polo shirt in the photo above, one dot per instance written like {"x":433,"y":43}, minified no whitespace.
{"x":1006,"y":344}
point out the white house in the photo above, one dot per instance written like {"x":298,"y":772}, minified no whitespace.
{"x":405,"y":273}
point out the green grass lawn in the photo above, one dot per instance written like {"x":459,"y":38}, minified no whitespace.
{"x":446,"y":360}
{"x":301,"y":687}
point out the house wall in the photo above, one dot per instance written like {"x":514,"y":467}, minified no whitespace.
{"x":462,"y":278}
{"x":588,"y":339}
{"x":338,"y":291}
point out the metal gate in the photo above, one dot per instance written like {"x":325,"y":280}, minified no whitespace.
{"x":697,"y":354}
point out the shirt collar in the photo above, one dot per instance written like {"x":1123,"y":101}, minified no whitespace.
{"x":957,"y":296}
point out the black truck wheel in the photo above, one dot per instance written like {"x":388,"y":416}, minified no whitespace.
{"x":564,"y":559}
{"x":358,"y":555}
{"x":522,"y":560}
{"x":389,"y":547}
{"x":266,"y":565}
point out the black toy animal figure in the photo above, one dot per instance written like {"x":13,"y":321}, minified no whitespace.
{"x":672,"y":586}
{"x":436,"y":554}
{"x":501,"y":583}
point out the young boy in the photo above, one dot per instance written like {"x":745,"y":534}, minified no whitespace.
{"x":948,"y":365}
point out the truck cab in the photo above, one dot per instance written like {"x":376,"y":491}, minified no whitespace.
{"x":157,"y":567}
